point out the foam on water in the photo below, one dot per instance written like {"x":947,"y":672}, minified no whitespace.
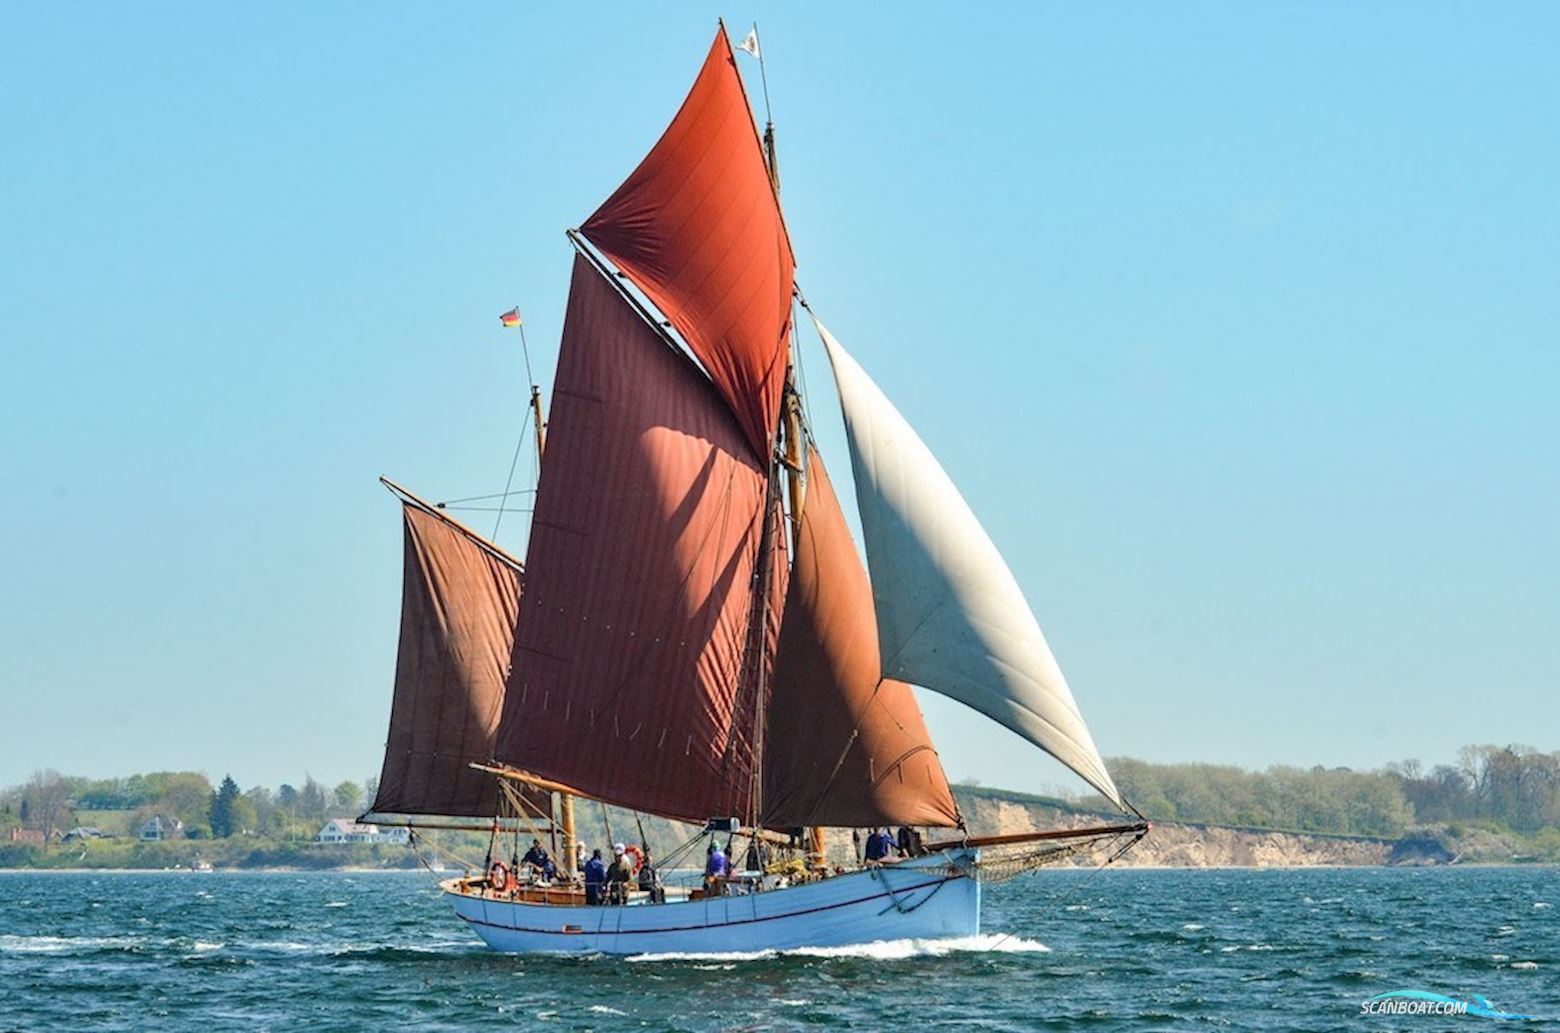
{"x":880,"y":950}
{"x":283,"y":947}
{"x":67,"y":944}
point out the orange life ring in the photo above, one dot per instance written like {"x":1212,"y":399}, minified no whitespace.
{"x":637,"y":854}
{"x":499,"y":877}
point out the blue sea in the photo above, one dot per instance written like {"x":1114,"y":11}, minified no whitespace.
{"x":1066,"y":950}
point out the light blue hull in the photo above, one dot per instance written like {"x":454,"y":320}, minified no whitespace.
{"x":924,"y":898}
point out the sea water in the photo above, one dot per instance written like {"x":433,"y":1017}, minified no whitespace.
{"x":1116,"y":949}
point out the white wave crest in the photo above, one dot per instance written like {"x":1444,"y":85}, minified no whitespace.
{"x":285,"y":947}
{"x":879,"y":950}
{"x":66,"y":944}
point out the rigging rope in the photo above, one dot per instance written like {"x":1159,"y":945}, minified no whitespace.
{"x":483,"y":498}
{"x":510,"y":480}
{"x":525,"y":350}
{"x":414,"y":838}
{"x":1004,"y":863}
{"x":801,"y":372}
{"x":489,"y":509}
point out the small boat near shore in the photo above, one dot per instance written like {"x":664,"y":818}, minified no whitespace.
{"x":692,"y":634}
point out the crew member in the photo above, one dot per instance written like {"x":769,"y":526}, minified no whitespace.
{"x":714,"y":870}
{"x":878,"y":845}
{"x":595,"y":877}
{"x":648,"y":881}
{"x":618,"y":876}
{"x":537,"y":858}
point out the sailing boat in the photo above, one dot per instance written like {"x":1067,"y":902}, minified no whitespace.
{"x":692,"y":633}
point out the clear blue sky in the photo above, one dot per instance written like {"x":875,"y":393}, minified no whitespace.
{"x":1237,"y":324}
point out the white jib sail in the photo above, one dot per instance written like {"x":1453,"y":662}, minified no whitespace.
{"x":950,"y":614}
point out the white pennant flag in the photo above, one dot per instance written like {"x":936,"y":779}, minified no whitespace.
{"x":750,"y":43}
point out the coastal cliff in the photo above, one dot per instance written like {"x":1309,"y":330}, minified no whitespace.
{"x":1194,"y":845}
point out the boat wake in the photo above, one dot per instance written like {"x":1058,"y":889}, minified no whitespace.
{"x":880,"y":950}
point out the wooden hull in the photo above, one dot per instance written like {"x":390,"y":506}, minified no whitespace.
{"x":924,"y":898}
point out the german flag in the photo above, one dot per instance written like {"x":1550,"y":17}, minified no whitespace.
{"x":510,"y":318}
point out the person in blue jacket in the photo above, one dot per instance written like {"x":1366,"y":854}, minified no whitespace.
{"x":879,"y":844}
{"x":537,"y":858}
{"x":715,"y":870}
{"x":595,"y":877}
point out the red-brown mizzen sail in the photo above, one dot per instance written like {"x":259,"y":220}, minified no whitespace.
{"x":639,"y":575}
{"x":697,"y":227}
{"x":459,"y":602}
{"x":843,"y":747}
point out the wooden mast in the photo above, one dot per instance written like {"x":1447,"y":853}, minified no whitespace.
{"x":563,"y":799}
{"x":541,"y":424}
{"x":791,"y":457}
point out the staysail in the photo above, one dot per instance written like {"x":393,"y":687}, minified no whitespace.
{"x":844,"y":746}
{"x":950,"y":614}
{"x":697,"y":227}
{"x":459,"y":599}
{"x":634,"y":628}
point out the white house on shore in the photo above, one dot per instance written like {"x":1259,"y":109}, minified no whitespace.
{"x":345,"y":830}
{"x":159,"y":827}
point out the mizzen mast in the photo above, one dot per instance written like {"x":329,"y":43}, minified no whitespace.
{"x":791,"y":409}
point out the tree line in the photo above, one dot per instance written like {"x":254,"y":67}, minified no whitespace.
{"x":1513,"y":788}
{"x":51,"y":802}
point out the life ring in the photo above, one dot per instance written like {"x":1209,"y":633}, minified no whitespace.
{"x":499,"y":877}
{"x":638,"y":855}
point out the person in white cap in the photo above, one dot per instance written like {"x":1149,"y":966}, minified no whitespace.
{"x":618,"y":876}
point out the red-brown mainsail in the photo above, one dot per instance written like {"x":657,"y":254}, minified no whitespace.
{"x":844,"y":747}
{"x":459,"y":600}
{"x":697,"y":227}
{"x":639,"y":580}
